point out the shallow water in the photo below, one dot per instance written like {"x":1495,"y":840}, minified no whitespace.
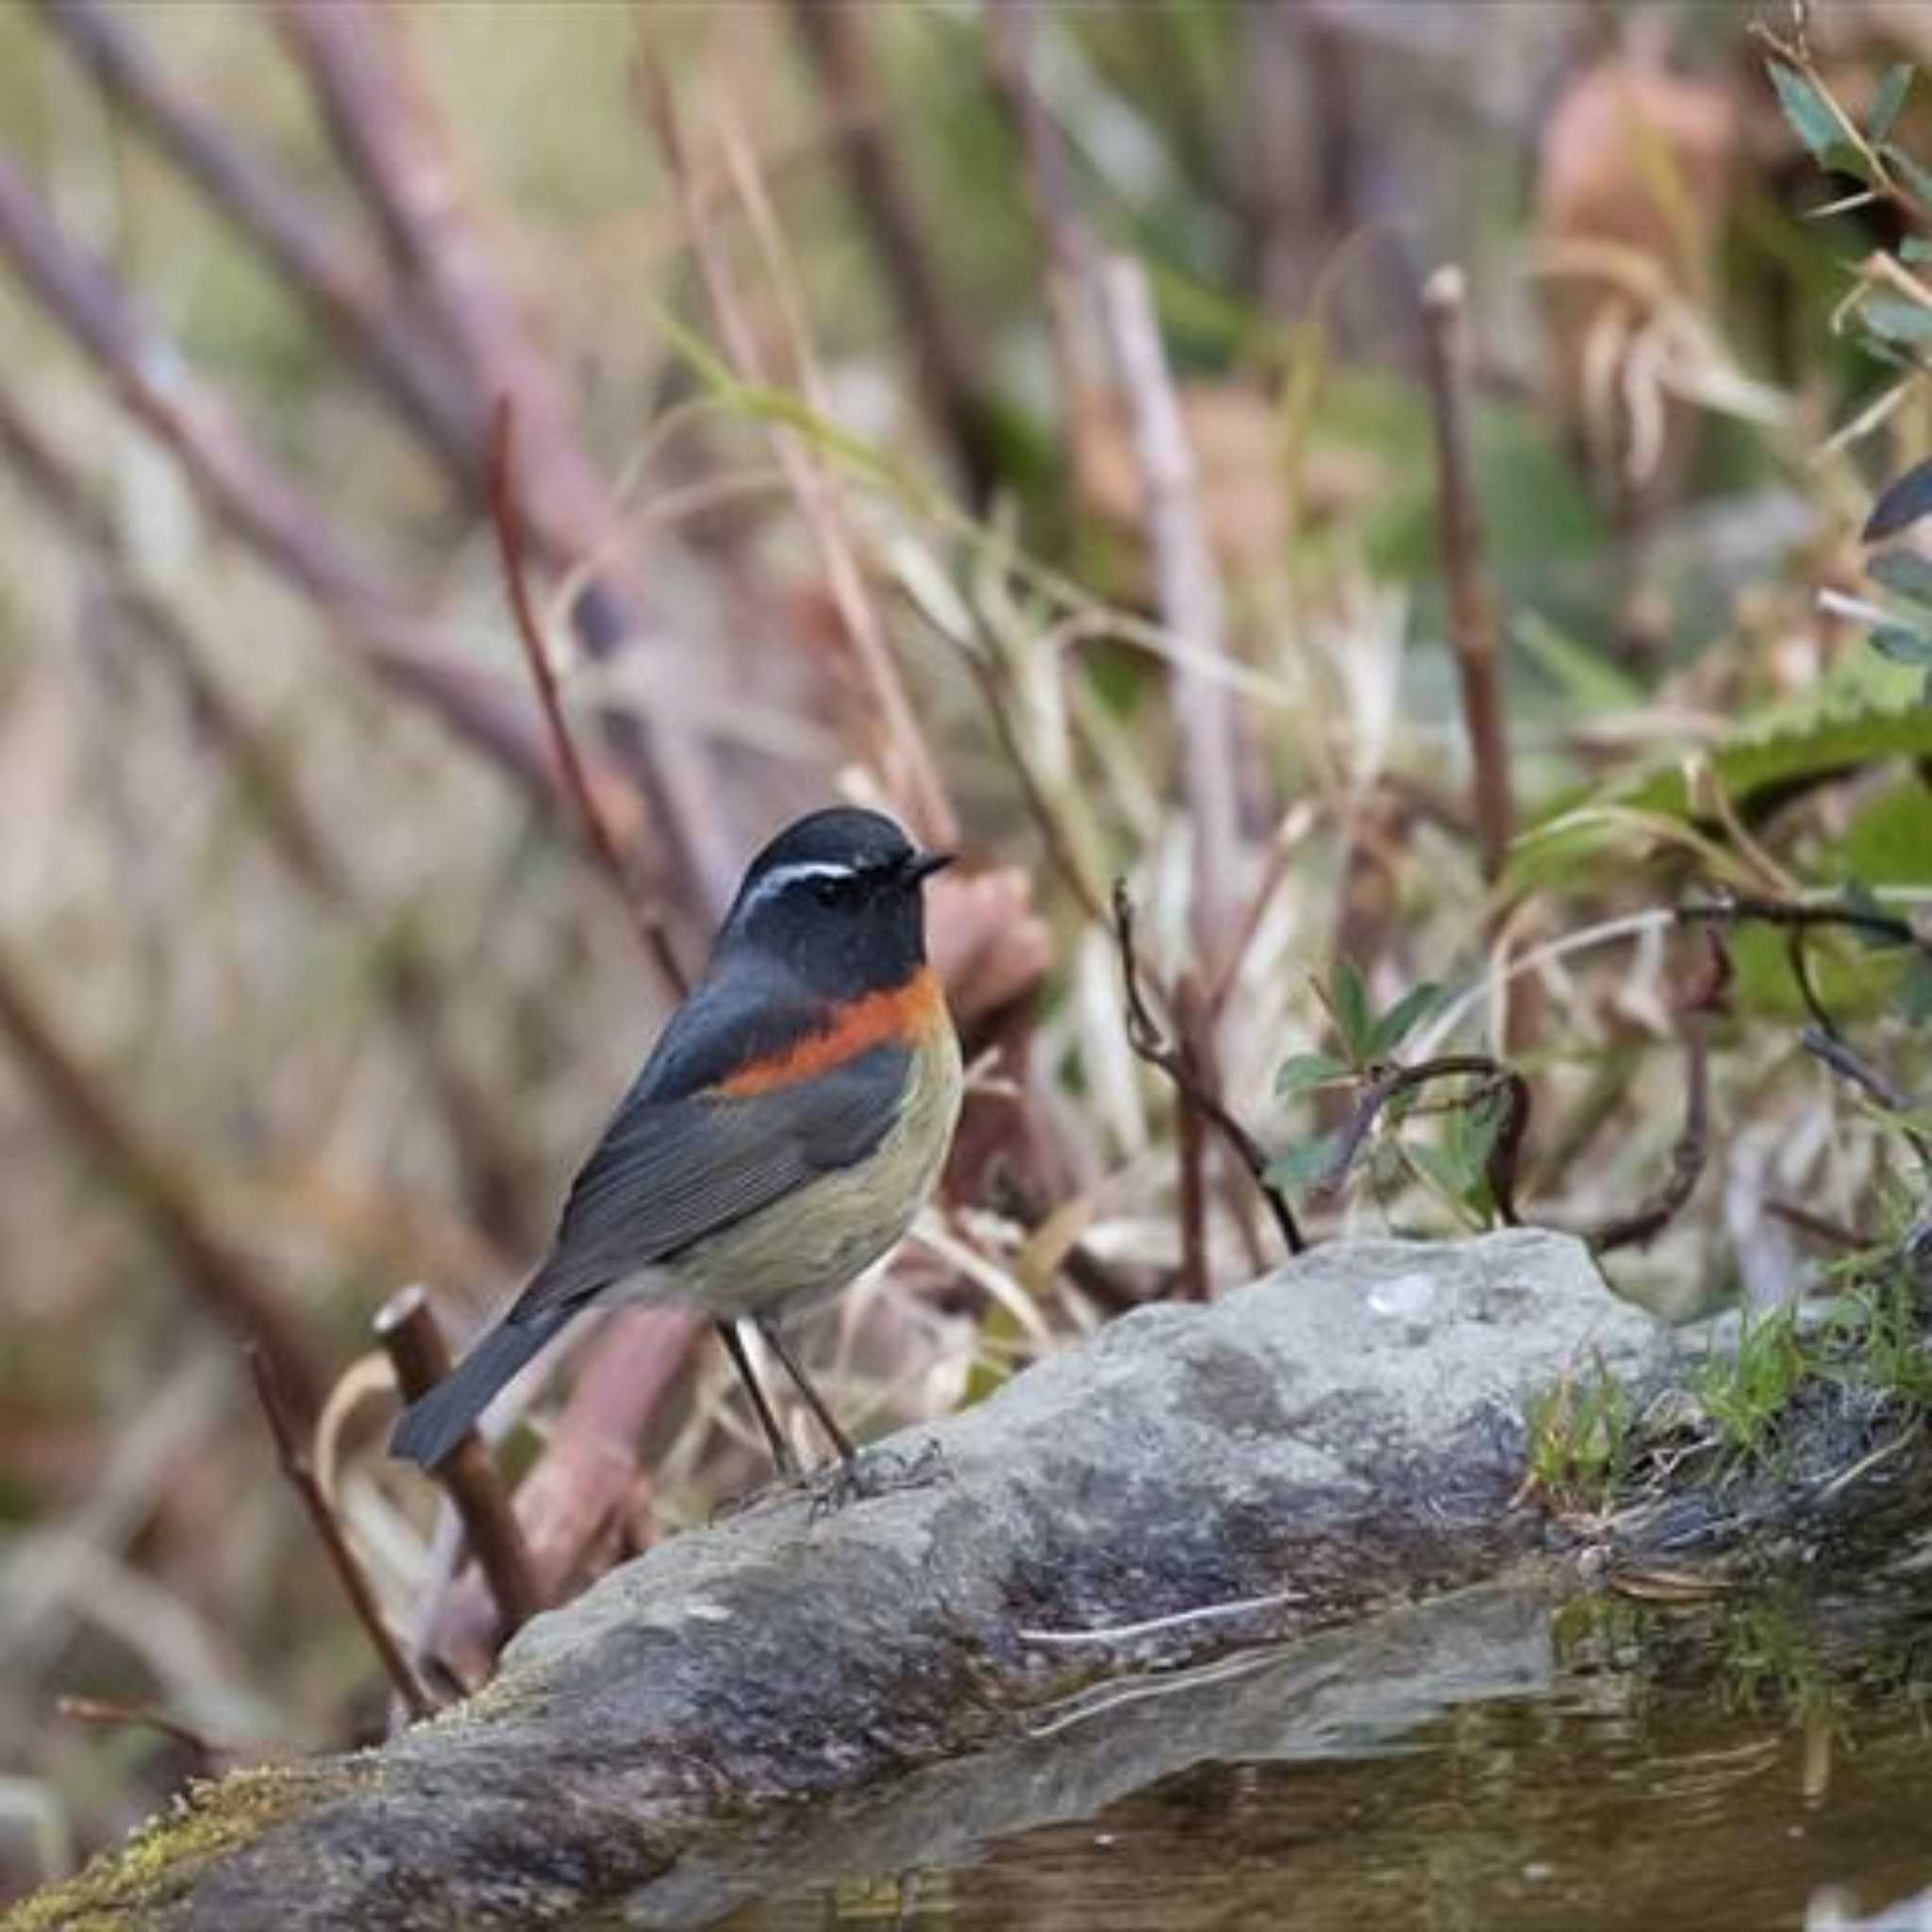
{"x":1607,"y":1765}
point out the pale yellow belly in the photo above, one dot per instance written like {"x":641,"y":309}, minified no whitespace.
{"x":817,"y":1242}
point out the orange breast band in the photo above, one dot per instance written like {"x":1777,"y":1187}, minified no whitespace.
{"x":896,"y":1015}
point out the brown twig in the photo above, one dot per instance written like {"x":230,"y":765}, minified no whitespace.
{"x":1783,"y":912}
{"x":949,"y":383}
{"x":1703,"y":999}
{"x":1505,"y":1150}
{"x":507,"y":515}
{"x":1471,"y":613}
{"x":1822,"y":1037}
{"x":218,"y":1273}
{"x":1190,"y":596}
{"x":1151,"y":1046}
{"x":407,"y":1328}
{"x":580,"y":1507}
{"x":296,"y":1466}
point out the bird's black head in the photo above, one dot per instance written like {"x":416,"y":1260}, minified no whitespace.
{"x":834,"y":899}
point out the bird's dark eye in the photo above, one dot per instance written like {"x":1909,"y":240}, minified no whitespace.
{"x":831,"y":891}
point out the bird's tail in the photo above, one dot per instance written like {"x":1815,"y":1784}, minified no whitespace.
{"x":433,"y":1424}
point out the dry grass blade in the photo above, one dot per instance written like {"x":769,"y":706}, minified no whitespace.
{"x":1189,"y":591}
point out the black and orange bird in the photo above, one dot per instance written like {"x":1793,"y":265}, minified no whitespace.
{"x":781,"y":1137}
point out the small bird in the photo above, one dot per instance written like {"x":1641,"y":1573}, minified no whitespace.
{"x":780,"y":1138}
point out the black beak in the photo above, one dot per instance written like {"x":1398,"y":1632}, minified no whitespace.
{"x":921,"y":865}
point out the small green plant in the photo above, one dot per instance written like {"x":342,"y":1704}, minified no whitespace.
{"x":1745,"y":1393}
{"x":1468,"y":1162}
{"x":1580,"y":1439}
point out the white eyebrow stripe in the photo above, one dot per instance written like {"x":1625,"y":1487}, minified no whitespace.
{"x":780,"y":876}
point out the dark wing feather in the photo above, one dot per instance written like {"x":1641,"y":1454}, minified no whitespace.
{"x":668,"y":1173}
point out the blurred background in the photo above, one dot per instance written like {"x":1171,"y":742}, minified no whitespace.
{"x":1051,"y":423}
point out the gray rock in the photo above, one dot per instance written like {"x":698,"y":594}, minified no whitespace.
{"x":1344,"y":1438}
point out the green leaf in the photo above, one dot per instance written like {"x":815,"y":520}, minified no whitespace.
{"x":1901,"y":644}
{"x":1399,"y":1021}
{"x":1305,"y":1163}
{"x":1446,"y":1167}
{"x":1814,"y":123}
{"x":1888,"y":102}
{"x":1903,"y":571}
{"x":1896,"y":318}
{"x":1304,"y":1070}
{"x":1351,"y":1011}
{"x":1915,"y":990}
{"x":1901,"y":503}
{"x":1914,"y":176}
{"x":1866,"y":713}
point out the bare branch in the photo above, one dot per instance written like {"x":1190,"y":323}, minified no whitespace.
{"x":301,"y":1476}
{"x":505,"y":511}
{"x":580,"y":1507}
{"x":1147,"y":1040}
{"x":407,"y":1328}
{"x":1505,"y":1151}
{"x":1697,"y":1003}
{"x":1472,"y":612}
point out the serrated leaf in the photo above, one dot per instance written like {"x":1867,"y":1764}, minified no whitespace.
{"x":1915,"y":990}
{"x":1888,"y":103}
{"x":1901,"y":503}
{"x":1303,"y":1164}
{"x":1896,"y":318}
{"x":1304,"y":1070}
{"x":1903,"y":571}
{"x":1351,"y":1011}
{"x":1902,"y":645}
{"x":1400,"y":1021}
{"x":1866,"y":713}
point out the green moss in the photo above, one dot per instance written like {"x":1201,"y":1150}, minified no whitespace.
{"x":153,"y":1869}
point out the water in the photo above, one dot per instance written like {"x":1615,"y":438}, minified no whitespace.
{"x":1497,"y":1763}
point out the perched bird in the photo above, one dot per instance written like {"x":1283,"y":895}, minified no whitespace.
{"x":780,"y":1138}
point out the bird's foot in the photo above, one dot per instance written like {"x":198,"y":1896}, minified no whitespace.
{"x":876,"y":1473}
{"x":785,"y":1482}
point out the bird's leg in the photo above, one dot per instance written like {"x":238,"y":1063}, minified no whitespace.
{"x":840,"y":1440}
{"x":851,"y":1481}
{"x":781,"y":1450}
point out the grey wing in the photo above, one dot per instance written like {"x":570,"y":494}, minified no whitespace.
{"x":667,"y":1174}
